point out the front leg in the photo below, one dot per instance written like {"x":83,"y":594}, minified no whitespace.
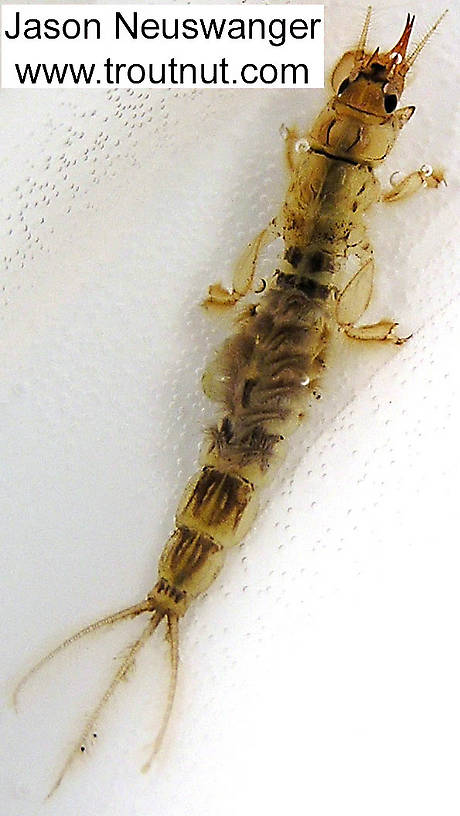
{"x":353,"y":302}
{"x":425,"y":177}
{"x":291,"y":137}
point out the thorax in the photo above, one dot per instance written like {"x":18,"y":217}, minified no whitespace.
{"x":323,"y":212}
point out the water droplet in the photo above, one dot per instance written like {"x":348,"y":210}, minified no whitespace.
{"x":284,"y":131}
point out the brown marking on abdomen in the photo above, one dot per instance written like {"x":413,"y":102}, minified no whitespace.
{"x":190,"y":561}
{"x":214,"y":503}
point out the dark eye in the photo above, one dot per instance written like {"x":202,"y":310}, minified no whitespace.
{"x":391,"y":100}
{"x":343,"y":85}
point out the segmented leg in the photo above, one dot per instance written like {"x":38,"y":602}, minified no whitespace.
{"x":353,"y":302}
{"x":220,"y":298}
{"x":291,"y":137}
{"x":425,"y":177}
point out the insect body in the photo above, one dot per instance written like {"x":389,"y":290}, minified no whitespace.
{"x":263,"y":374}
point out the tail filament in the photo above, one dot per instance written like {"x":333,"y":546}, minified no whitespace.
{"x":123,"y":670}
{"x":121,"y":673}
{"x":173,"y":637}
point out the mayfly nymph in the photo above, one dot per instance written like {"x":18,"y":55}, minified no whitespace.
{"x":263,"y":374}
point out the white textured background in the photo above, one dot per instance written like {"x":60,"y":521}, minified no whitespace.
{"x":320,"y":674}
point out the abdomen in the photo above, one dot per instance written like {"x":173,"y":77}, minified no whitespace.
{"x":262,"y":378}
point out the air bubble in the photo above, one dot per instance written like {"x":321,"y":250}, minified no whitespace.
{"x":302,"y":145}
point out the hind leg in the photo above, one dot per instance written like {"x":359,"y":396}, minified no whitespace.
{"x":220,"y":298}
{"x":353,"y":302}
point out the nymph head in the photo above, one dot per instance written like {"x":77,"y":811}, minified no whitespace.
{"x":373,"y":82}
